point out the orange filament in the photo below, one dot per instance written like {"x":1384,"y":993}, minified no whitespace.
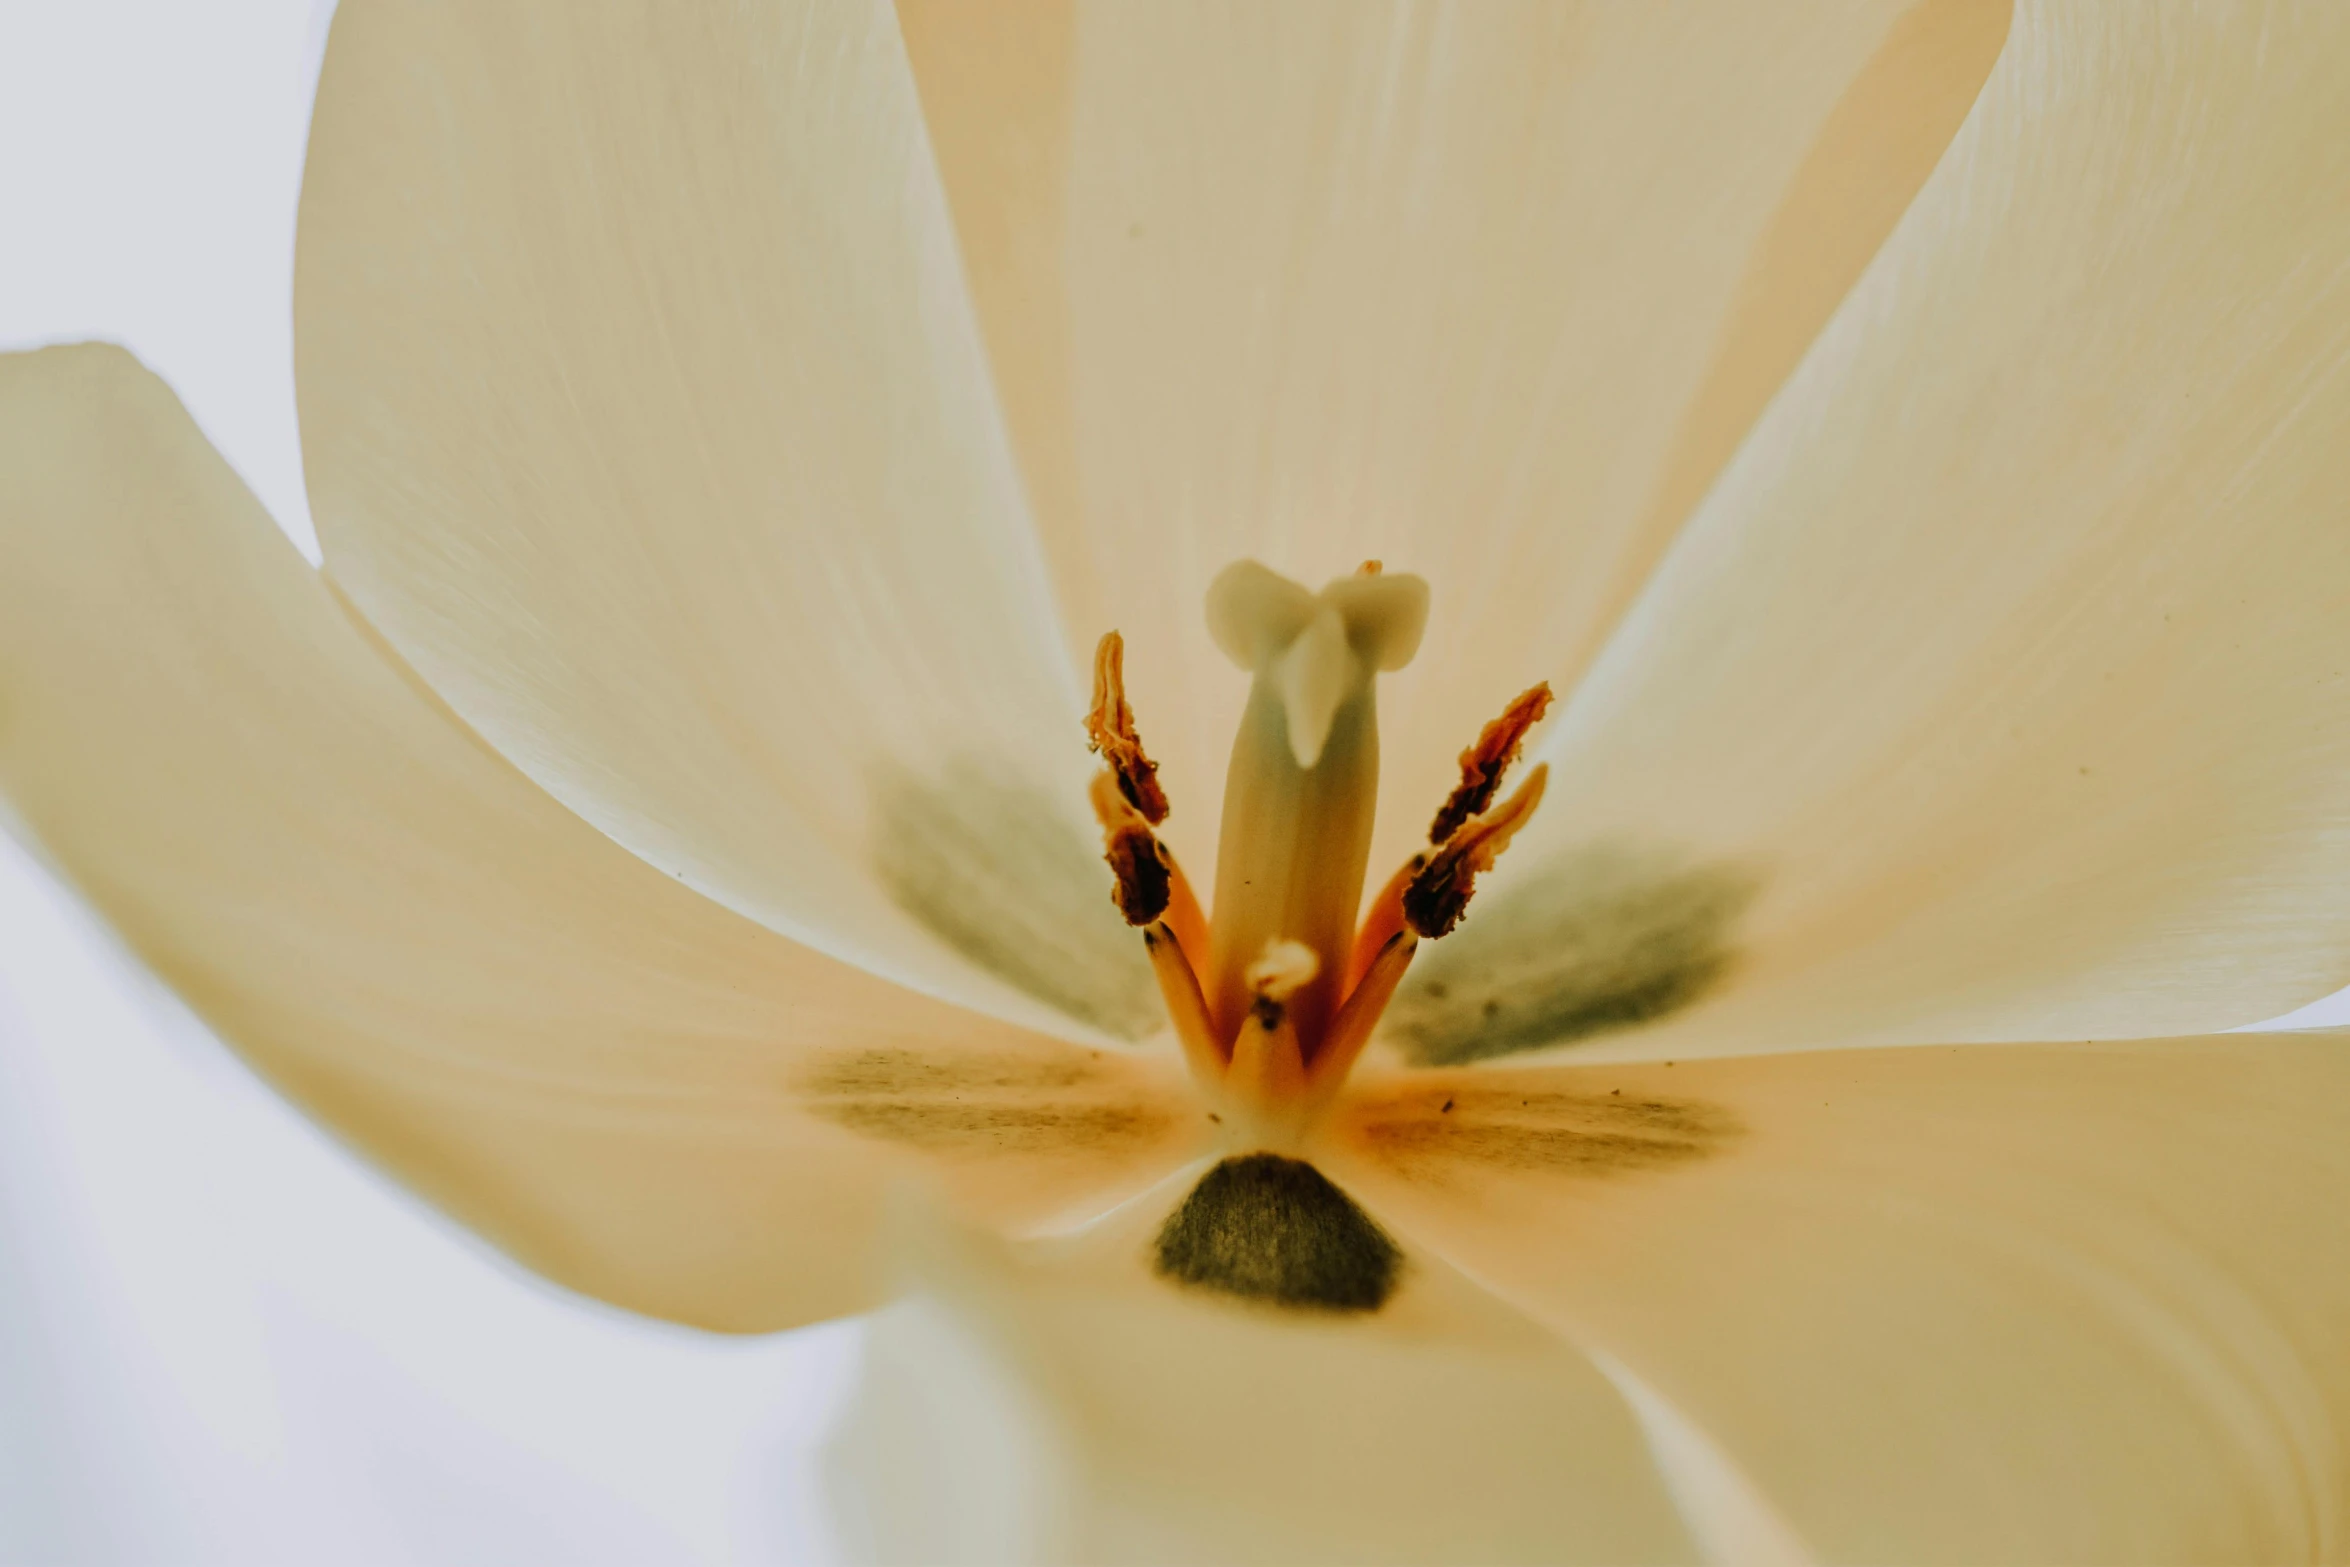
{"x":1351,"y":1029}
{"x":1383,"y":920}
{"x":1267,"y":1073}
{"x":1187,"y":1009}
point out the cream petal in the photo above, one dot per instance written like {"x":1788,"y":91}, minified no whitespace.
{"x":634,"y":1091}
{"x":2007,"y":659}
{"x":1063,"y":1405}
{"x":645,"y":414}
{"x":1986,"y":1303}
{"x":1488,"y":292}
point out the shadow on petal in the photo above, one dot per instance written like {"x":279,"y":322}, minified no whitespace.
{"x":1598,"y":937}
{"x":996,"y":868}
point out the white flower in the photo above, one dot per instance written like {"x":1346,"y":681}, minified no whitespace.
{"x":1915,"y":445}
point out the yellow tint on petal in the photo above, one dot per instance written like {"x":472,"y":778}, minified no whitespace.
{"x":2009,"y":654}
{"x":1118,"y":1419}
{"x":1858,"y":177}
{"x":1485,"y":291}
{"x":641,"y":1095}
{"x":2063,"y":1302}
{"x":644,"y":413}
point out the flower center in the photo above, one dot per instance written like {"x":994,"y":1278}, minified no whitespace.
{"x":1275,"y":995}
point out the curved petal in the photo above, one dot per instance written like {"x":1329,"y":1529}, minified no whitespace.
{"x":1489,"y":291}
{"x":2008,"y":655}
{"x":644,"y":414}
{"x":1985,"y":1303}
{"x":1064,"y":1406}
{"x":634,"y":1091}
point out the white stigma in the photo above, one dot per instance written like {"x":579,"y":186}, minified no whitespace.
{"x":1313,"y":675}
{"x":1320,"y":648}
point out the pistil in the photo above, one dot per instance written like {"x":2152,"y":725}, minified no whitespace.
{"x":1303,"y":782}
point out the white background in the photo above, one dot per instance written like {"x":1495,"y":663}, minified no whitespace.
{"x":221,"y":1337}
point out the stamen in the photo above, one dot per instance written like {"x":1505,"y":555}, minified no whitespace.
{"x":1268,"y":1071}
{"x":1128,"y":802}
{"x":1186,"y":1007}
{"x":1150,"y":880}
{"x":1184,"y":915}
{"x":1144,"y":870}
{"x":1383,"y":921}
{"x":1351,"y":1029}
{"x":1439,"y":894}
{"x":1484,"y":764}
{"x":1109,"y":730}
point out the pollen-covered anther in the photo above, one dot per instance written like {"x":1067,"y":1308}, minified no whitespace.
{"x":1484,"y":764}
{"x":1439,"y":893}
{"x":1110,"y":732}
{"x":1128,"y":802}
{"x":1144,"y":870}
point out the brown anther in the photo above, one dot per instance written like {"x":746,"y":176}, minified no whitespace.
{"x":1145,"y":873}
{"x":1439,"y":894}
{"x":1141,"y":868}
{"x":1370,"y":568}
{"x":1484,"y":764}
{"x":1109,"y":730}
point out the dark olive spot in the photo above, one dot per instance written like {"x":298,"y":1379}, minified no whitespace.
{"x":1596,"y":938}
{"x":899,"y":1072}
{"x":1067,"y":1103}
{"x":1006,"y":873}
{"x":1275,"y":1230}
{"x":1005,"y":1128}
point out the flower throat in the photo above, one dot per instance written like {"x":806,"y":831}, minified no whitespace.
{"x":1275,"y":992}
